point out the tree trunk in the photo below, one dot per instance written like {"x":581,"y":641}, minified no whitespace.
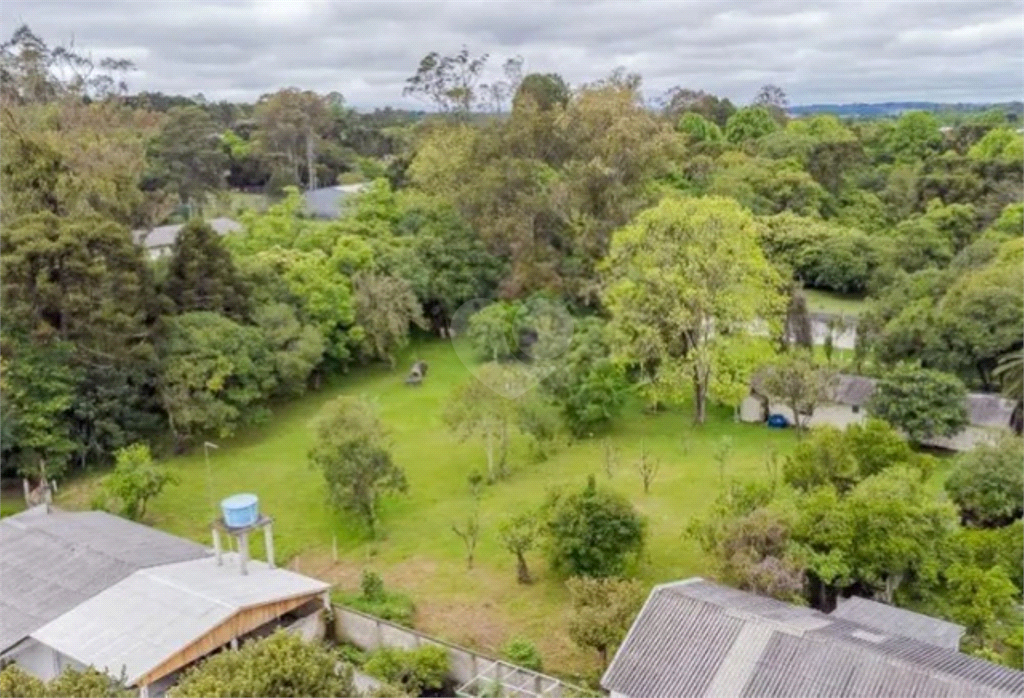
{"x":371,"y":519}
{"x":503,"y":462}
{"x":700,"y":396}
{"x":490,"y":455}
{"x":522,"y":571}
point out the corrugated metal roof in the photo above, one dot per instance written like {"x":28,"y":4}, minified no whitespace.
{"x":993,"y":411}
{"x":165,"y":235}
{"x":697,"y":638}
{"x":899,"y":621}
{"x":150,"y":616}
{"x":326,"y":201}
{"x":51,"y":562}
{"x":853,"y":390}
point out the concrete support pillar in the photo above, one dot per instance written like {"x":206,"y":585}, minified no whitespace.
{"x":268,"y":543}
{"x":144,"y":691}
{"x":243,"y":550}
{"x":234,"y":643}
{"x":216,"y":545}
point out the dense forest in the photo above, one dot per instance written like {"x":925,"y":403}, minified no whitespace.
{"x":667,"y":227}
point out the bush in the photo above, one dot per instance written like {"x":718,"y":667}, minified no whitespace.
{"x":375,"y":600}
{"x":282,"y":664}
{"x":135,"y":480}
{"x":414,"y":671}
{"x":922,"y":402}
{"x":351,"y":654}
{"x":988,"y":484}
{"x":90,"y":683}
{"x":593,"y":532}
{"x":522,"y":652}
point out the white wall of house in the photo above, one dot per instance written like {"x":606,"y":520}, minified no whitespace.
{"x":42,"y":661}
{"x":841,"y":416}
{"x":752,"y":409}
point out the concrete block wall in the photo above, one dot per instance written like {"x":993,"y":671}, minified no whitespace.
{"x":368,"y":633}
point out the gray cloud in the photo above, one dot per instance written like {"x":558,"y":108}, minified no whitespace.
{"x":836,"y":51}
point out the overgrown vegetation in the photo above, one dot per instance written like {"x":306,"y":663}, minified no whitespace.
{"x":674,"y":242}
{"x":375,"y":599}
{"x":282,"y":664}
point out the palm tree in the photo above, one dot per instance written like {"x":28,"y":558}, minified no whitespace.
{"x":1010,"y":373}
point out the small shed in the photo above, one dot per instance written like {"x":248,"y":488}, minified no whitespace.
{"x":990,"y":417}
{"x":849,"y":395}
{"x":162,"y":619}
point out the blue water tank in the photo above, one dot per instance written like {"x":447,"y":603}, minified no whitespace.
{"x":241,"y":510}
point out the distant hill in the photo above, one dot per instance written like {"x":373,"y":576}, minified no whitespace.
{"x":878,"y":109}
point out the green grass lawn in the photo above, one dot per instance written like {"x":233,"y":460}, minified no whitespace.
{"x":819,"y":301}
{"x":419,"y":553}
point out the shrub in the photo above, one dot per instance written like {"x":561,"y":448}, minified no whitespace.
{"x":522,"y":652}
{"x":988,"y":483}
{"x":374,"y":599}
{"x":593,"y":532}
{"x":282,"y":664}
{"x":351,"y":654}
{"x":414,"y":671}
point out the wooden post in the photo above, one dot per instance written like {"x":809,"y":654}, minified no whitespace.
{"x":334,"y":547}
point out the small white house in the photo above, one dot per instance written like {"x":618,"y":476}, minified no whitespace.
{"x":990,"y":415}
{"x":846,"y":407}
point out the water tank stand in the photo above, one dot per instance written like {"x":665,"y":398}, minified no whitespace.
{"x":241,"y":536}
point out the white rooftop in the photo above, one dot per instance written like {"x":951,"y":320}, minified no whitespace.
{"x":148,"y":617}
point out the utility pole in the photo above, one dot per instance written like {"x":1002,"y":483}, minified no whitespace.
{"x":310,"y":170}
{"x":209,"y":473}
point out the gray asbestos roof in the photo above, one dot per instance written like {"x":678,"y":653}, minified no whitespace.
{"x":165,"y":235}
{"x":52,"y":562}
{"x":326,"y":201}
{"x":853,"y":390}
{"x":151,"y":615}
{"x":696,"y":638}
{"x":899,"y":621}
{"x":992,"y":411}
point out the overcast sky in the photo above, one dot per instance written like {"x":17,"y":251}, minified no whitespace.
{"x":818,"y":50}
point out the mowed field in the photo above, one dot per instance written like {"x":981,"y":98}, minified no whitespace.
{"x":418,"y":552}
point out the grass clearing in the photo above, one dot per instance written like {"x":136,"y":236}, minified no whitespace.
{"x":819,"y":301}
{"x":419,"y":554}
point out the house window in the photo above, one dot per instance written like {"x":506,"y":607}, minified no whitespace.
{"x":856,"y":409}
